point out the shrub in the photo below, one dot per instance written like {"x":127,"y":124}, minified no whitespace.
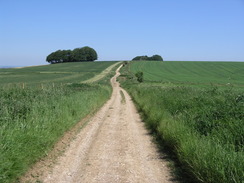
{"x":139,"y":76}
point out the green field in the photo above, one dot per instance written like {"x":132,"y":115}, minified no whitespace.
{"x":195,"y":108}
{"x":198,"y":116}
{"x":55,"y":73}
{"x":33,"y":118}
{"x":192,"y":73}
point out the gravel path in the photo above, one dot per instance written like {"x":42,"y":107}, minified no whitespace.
{"x":113,"y":147}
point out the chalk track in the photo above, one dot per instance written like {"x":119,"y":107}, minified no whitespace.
{"x":114,"y":146}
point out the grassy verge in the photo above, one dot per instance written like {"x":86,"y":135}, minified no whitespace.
{"x":203,"y":128}
{"x":35,"y":113}
{"x":32,"y":120}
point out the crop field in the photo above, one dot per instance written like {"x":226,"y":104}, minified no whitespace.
{"x":200,"y":74}
{"x":32,"y":119}
{"x":55,"y":73}
{"x":197,"y":115}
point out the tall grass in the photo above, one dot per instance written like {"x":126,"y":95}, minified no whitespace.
{"x":33,"y":119}
{"x":203,"y":128}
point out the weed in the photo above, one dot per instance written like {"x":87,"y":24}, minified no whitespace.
{"x":139,"y":76}
{"x":122,"y":97}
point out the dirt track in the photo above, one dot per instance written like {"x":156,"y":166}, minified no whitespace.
{"x":113,"y":147}
{"x":101,"y":75}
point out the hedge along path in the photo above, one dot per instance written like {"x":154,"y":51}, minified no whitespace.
{"x":101,"y":75}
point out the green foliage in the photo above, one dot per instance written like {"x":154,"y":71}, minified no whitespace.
{"x":90,"y":53}
{"x":77,"y":55}
{"x":84,"y":54}
{"x":203,"y":127}
{"x":156,"y":58}
{"x":140,"y":58}
{"x":60,"y":56}
{"x":139,"y":76}
{"x":125,"y":63}
{"x":152,"y":58}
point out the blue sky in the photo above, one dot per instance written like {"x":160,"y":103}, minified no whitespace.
{"x":194,"y":30}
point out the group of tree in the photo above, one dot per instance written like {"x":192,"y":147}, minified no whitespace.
{"x":146,"y":58}
{"x":77,"y":55}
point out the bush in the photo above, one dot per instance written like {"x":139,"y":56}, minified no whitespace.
{"x":139,"y":76}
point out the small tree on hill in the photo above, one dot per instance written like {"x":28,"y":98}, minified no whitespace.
{"x":67,"y":56}
{"x":89,"y":53}
{"x":59,"y":56}
{"x":54,"y":57}
{"x":77,"y":55}
{"x":84,"y":54}
{"x":141,"y":58}
{"x":153,"y":58}
{"x":156,"y":58}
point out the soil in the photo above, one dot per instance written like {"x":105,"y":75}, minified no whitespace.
{"x":113,"y":146}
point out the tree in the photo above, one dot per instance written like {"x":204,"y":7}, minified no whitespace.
{"x":67,"y":56}
{"x":84,"y":54}
{"x":77,"y":55}
{"x":141,"y":58}
{"x":54,"y":57}
{"x":156,"y":58}
{"x":146,"y":58}
{"x":89,"y":53}
{"x":59,"y":56}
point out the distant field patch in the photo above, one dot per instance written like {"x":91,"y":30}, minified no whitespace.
{"x":101,"y":75}
{"x":192,"y":73}
{"x":55,"y":73}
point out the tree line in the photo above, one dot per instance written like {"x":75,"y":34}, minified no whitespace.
{"x":77,"y":55}
{"x":146,"y":58}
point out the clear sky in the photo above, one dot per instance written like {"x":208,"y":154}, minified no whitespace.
{"x":194,"y":30}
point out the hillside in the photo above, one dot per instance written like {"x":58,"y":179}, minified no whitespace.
{"x":192,"y":73}
{"x":195,"y":109}
{"x":54,"y":73}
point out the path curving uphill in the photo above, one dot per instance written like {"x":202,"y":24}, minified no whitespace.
{"x":101,"y":75}
{"x":113,"y":147}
